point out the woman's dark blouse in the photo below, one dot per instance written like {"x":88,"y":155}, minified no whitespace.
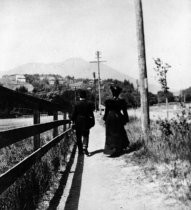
{"x":117,"y":105}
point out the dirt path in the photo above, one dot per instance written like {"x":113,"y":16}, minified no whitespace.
{"x":103,"y":183}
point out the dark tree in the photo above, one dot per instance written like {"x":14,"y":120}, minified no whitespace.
{"x":22,"y":89}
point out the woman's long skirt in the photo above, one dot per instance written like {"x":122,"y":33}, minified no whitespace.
{"x":116,"y":137}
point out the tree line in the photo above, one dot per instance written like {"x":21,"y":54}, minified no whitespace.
{"x":63,"y":93}
{"x":66,"y":96}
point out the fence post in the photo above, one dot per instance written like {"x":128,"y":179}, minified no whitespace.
{"x":64,"y":117}
{"x":55,"y":130}
{"x":36,"y":120}
{"x":68,"y":117}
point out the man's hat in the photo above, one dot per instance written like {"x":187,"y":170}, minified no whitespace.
{"x":82,"y":94}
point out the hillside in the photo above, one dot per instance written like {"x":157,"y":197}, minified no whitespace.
{"x":76,"y":67}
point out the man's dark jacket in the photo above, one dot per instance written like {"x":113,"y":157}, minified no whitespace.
{"x":82,"y":112}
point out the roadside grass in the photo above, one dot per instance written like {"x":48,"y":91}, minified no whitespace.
{"x":166,"y":154}
{"x":29,"y":190}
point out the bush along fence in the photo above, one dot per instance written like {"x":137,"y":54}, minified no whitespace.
{"x":22,"y":185}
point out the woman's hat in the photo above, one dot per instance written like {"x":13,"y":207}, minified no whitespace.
{"x":116,"y":90}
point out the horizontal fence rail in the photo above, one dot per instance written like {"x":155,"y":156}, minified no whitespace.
{"x":19,"y":100}
{"x":27,"y":101}
{"x":9,"y":177}
{"x":12,"y":136}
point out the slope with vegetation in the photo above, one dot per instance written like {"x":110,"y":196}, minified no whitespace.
{"x":65,"y":94}
{"x":165,"y":155}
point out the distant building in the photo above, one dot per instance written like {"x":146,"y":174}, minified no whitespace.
{"x":53,"y":79}
{"x":18,"y":78}
{"x":15,"y":81}
{"x":77,"y":85}
{"x":69,"y":80}
{"x":60,"y":80}
{"x":91,"y":82}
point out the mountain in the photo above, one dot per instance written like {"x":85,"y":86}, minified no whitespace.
{"x":76,"y":67}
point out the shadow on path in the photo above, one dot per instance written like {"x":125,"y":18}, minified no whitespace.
{"x":59,"y":192}
{"x":74,"y":194}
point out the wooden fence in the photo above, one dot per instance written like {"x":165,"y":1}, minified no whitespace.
{"x":12,"y":136}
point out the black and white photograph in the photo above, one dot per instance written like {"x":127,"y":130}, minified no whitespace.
{"x":95,"y":104}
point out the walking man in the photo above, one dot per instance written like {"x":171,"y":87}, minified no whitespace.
{"x":83,"y":119}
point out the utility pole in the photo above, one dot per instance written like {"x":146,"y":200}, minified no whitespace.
{"x":184,"y":97}
{"x":145,"y":121}
{"x":94,"y":76}
{"x":99,"y":88}
{"x":137,"y":85}
{"x":75,"y":98}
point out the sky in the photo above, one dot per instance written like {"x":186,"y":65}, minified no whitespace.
{"x":49,"y":31}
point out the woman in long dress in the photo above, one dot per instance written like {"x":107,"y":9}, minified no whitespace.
{"x":115,"y":118}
